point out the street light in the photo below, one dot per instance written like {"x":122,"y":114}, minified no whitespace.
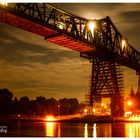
{"x":129,"y":103}
{"x":123,"y":43}
{"x":92,"y":26}
{"x":102,"y":104}
{"x":85,"y":111}
{"x":130,"y":106}
{"x":94,"y":110}
{"x":58,"y":109}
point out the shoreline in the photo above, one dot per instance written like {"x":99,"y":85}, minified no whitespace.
{"x":75,"y":120}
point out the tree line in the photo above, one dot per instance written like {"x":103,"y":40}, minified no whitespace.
{"x":39,"y":107}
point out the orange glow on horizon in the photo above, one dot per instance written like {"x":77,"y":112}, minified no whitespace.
{"x":50,"y":118}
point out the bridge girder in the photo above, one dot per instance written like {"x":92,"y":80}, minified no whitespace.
{"x":104,"y":40}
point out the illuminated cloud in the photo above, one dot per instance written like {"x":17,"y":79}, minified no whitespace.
{"x":37,"y":69}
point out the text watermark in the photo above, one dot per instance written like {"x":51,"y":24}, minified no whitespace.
{"x":3,"y":129}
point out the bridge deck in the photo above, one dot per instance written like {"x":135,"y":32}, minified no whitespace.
{"x":49,"y":34}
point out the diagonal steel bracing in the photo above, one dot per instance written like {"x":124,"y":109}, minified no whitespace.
{"x":107,"y":82}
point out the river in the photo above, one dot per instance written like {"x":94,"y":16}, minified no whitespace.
{"x":57,"y":129}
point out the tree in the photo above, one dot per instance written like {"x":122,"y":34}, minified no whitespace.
{"x":68,"y":106}
{"x":73,"y":105}
{"x":41,"y":106}
{"x":24,"y":104}
{"x":5,"y":101}
{"x":32,"y":107}
{"x":64,"y":106}
{"x":52,"y":106}
{"x":15,"y":105}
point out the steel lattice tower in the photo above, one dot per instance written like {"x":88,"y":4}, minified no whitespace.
{"x":107,"y":81}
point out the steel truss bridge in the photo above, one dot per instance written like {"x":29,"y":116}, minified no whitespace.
{"x":96,"y":40}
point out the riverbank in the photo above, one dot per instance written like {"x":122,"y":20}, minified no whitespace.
{"x":87,"y":119}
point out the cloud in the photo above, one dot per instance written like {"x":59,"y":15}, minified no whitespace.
{"x":65,"y":79}
{"x":131,"y":16}
{"x":89,"y":10}
{"x":18,"y":52}
{"x":35,"y":68}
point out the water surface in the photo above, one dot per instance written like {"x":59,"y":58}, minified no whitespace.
{"x":56,"y":129}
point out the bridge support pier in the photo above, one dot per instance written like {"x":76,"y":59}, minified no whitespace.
{"x":107,"y":81}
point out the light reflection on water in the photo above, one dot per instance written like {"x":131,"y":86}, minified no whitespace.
{"x":132,"y":130}
{"x":59,"y":130}
{"x":55,"y":129}
{"x":94,"y":131}
{"x":86,"y":131}
{"x":50,"y":129}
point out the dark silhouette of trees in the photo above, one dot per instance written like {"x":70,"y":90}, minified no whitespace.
{"x":32,"y":108}
{"x":68,"y":106}
{"x":24,"y":105}
{"x":64,"y":106}
{"x":52,"y":106}
{"x":73,"y":106}
{"x":5,"y":101}
{"x":16,"y":108}
{"x":38,"y":107}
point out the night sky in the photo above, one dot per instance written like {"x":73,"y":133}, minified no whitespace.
{"x":30,"y":66}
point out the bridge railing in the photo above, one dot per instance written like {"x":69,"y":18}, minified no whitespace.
{"x":100,"y":34}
